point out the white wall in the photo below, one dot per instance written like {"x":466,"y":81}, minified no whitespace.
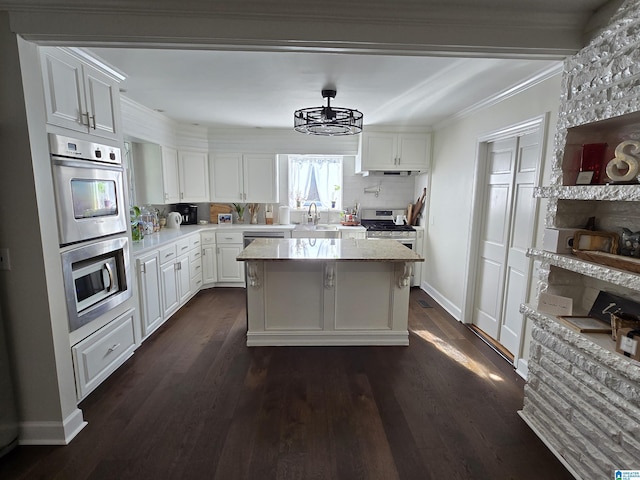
{"x":450,"y":200}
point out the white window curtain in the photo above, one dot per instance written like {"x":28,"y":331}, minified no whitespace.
{"x":314,"y":176}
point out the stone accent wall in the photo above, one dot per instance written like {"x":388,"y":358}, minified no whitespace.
{"x":582,"y":399}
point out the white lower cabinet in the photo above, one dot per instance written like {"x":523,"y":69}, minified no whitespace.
{"x":149,"y":290}
{"x":169,"y":282}
{"x":229,"y":246}
{"x":167,"y":279}
{"x":209,"y":258}
{"x":101,"y":353}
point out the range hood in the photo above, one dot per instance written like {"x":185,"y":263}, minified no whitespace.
{"x":390,"y":173}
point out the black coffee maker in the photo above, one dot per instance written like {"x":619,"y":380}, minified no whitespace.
{"x":188,"y":212}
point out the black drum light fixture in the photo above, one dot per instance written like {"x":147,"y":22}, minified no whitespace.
{"x":328,"y":121}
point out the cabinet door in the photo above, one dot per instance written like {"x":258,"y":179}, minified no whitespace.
{"x":194,"y":176}
{"x":102,"y":97}
{"x":170,"y":175}
{"x":226,"y":178}
{"x":209,"y":264}
{"x":379,"y":151}
{"x":413,"y":151}
{"x":150,"y":296}
{"x":169,"y":283}
{"x":260,"y":173}
{"x":184,"y":278}
{"x":63,"y":90}
{"x":229,"y":269}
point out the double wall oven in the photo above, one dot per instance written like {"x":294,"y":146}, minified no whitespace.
{"x":92,"y":226}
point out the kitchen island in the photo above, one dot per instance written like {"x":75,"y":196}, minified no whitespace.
{"x":328,"y":291}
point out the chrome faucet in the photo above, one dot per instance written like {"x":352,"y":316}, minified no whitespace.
{"x":315,"y":217}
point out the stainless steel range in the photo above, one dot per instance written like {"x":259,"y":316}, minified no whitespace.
{"x":380,"y":224}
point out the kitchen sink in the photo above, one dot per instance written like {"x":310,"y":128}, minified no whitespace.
{"x":315,"y":231}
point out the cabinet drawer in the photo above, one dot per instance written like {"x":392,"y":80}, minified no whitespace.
{"x":195,"y":268}
{"x":196,"y":283}
{"x":229,"y":237}
{"x":194,"y":241}
{"x":208,"y":238}
{"x":195,"y":255}
{"x":167,"y":254}
{"x":183,"y":246}
{"x":98,"y":355}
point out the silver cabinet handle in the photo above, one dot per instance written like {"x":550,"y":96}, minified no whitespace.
{"x":113,"y":348}
{"x":87,"y":117}
{"x":93,"y":117}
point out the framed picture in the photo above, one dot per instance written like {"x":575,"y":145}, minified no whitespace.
{"x":225,"y":219}
{"x":596,"y":241}
{"x":586,"y":324}
{"x":584,"y":178}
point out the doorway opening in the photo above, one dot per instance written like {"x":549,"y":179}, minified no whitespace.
{"x":504,"y":219}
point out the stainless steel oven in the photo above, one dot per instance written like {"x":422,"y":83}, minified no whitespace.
{"x":96,"y":279}
{"x":89,"y":189}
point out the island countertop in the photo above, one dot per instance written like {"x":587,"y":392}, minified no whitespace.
{"x":323,"y":249}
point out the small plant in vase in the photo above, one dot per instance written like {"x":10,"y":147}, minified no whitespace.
{"x":239,"y":208}
{"x":299,"y":199}
{"x":334,"y":196}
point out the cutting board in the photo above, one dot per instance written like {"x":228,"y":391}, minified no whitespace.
{"x":417,"y":208}
{"x":216,"y":208}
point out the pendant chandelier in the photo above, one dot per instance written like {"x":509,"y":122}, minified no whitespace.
{"x":328,"y":121}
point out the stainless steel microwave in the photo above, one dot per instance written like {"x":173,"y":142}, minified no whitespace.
{"x":89,"y":189}
{"x":96,"y":279}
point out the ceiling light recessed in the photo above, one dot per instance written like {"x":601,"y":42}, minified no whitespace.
{"x":328,"y":121}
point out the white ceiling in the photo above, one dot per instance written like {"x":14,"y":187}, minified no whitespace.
{"x":262,"y":89}
{"x":252,"y":64}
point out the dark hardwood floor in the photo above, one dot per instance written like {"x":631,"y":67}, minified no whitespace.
{"x":195,"y":403}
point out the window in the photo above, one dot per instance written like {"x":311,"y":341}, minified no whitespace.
{"x":315,"y":178}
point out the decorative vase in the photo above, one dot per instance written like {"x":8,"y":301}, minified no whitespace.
{"x":241,"y":219}
{"x":333,"y":204}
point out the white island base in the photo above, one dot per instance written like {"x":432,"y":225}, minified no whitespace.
{"x":328,"y":301}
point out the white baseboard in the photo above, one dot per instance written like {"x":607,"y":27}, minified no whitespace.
{"x":522,"y":368}
{"x":444,"y":302}
{"x":277,"y":339}
{"x":52,"y":433}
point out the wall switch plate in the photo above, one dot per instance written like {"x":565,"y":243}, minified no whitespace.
{"x":5,"y":262}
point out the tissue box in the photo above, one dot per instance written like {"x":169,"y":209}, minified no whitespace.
{"x":557,"y":239}
{"x":627,"y":343}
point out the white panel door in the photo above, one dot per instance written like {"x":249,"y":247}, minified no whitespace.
{"x":209,"y":264}
{"x":260,"y":173}
{"x":102,"y":98}
{"x":169,"y":282}
{"x":170,"y":175}
{"x":194,"y":176}
{"x":226,"y":178}
{"x":184,"y":278}
{"x":64,"y":90}
{"x":150,"y":298}
{"x":494,"y":236}
{"x":229,"y":269}
{"x":523,"y":218}
{"x":507,"y":224}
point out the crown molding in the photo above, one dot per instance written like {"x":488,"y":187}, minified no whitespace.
{"x":503,"y":95}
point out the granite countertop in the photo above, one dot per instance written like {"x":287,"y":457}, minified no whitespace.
{"x":168,"y":235}
{"x":355,"y":250}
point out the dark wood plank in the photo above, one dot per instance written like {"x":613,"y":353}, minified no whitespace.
{"x":194,"y":402}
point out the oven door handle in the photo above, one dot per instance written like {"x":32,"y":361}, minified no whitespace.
{"x":107,"y":267}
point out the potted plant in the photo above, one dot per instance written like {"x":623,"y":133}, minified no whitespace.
{"x":239,"y":208}
{"x":334,"y":195}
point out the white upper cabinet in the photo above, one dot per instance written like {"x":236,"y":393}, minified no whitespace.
{"x":194,"y":176}
{"x":170,"y":175}
{"x":393,"y":152}
{"x":78,"y":96}
{"x":162,"y":175}
{"x":244,"y":178}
